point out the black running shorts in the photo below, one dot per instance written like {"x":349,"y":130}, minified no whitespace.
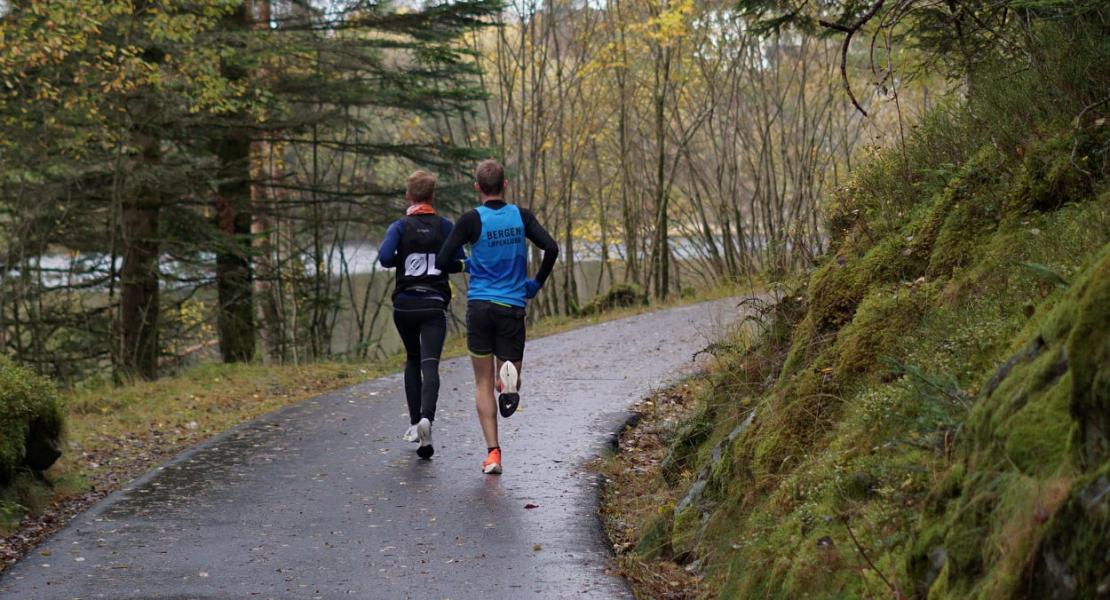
{"x":495,"y":329}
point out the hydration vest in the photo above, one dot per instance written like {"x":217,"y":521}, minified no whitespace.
{"x":421,"y":238}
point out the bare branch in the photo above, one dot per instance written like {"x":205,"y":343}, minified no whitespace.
{"x":851,"y":30}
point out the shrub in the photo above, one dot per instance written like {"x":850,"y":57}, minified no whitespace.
{"x":30,"y":420}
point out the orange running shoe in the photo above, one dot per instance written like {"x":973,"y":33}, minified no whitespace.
{"x":492,"y":464}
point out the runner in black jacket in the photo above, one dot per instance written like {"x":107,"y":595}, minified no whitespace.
{"x":420,"y":300}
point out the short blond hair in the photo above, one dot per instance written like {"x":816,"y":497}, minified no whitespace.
{"x":420,"y":186}
{"x":490,"y":176}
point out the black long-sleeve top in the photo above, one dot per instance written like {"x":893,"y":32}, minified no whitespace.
{"x":469,"y":228}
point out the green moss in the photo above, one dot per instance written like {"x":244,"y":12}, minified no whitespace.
{"x":835,"y":290}
{"x":723,"y":471}
{"x":807,"y":344}
{"x":926,"y":558}
{"x":877,"y":330}
{"x":892,"y":260}
{"x":1089,"y":358}
{"x":966,"y":193}
{"x":1019,"y":451}
{"x":939,"y":208}
{"x":685,"y":443}
{"x":966,"y":529}
{"x":968,"y":222}
{"x":838,"y":414}
{"x":790,"y":429}
{"x":1037,"y":436}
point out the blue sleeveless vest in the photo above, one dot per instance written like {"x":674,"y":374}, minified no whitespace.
{"x":498,"y":263}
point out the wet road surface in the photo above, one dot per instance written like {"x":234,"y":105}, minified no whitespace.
{"x":323,"y":500}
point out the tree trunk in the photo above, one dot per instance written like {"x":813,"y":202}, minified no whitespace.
{"x":234,"y":275}
{"x":631,"y":249}
{"x":269,"y":310}
{"x":139,"y":272}
{"x":270,"y":324}
{"x":660,"y":263}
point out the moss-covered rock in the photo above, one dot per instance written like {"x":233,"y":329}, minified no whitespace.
{"x":1073,"y":558}
{"x":999,"y":413}
{"x":1021,"y":456}
{"x":1088,"y":353}
{"x":689,"y":519}
{"x":961,"y":214}
{"x":927,"y":558}
{"x":877,"y":330}
{"x":30,"y":420}
{"x":1036,"y":438}
{"x":967,"y":223}
{"x":618,"y":296}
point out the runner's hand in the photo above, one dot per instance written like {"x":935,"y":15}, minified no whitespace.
{"x":531,"y":288}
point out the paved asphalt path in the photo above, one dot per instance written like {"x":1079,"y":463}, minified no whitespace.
{"x":323,"y":500}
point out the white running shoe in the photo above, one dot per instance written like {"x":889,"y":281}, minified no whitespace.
{"x":508,"y":399}
{"x":424,"y":433}
{"x":411,"y":435}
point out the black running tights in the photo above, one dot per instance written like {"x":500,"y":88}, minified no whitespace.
{"x":422,"y":331}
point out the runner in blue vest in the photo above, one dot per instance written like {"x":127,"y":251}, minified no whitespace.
{"x":420,"y":300}
{"x":499,"y":289}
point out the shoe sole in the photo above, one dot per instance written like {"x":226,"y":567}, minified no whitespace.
{"x":424,"y":436}
{"x":508,"y":400}
{"x":509,"y":377}
{"x":494,"y":469}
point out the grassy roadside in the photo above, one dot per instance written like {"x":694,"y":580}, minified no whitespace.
{"x":114,"y":434}
{"x":646,"y":477}
{"x":634,"y":494}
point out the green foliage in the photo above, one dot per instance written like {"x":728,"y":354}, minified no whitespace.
{"x":29,"y":404}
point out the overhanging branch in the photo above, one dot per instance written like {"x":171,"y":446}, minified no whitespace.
{"x":850,"y":31}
